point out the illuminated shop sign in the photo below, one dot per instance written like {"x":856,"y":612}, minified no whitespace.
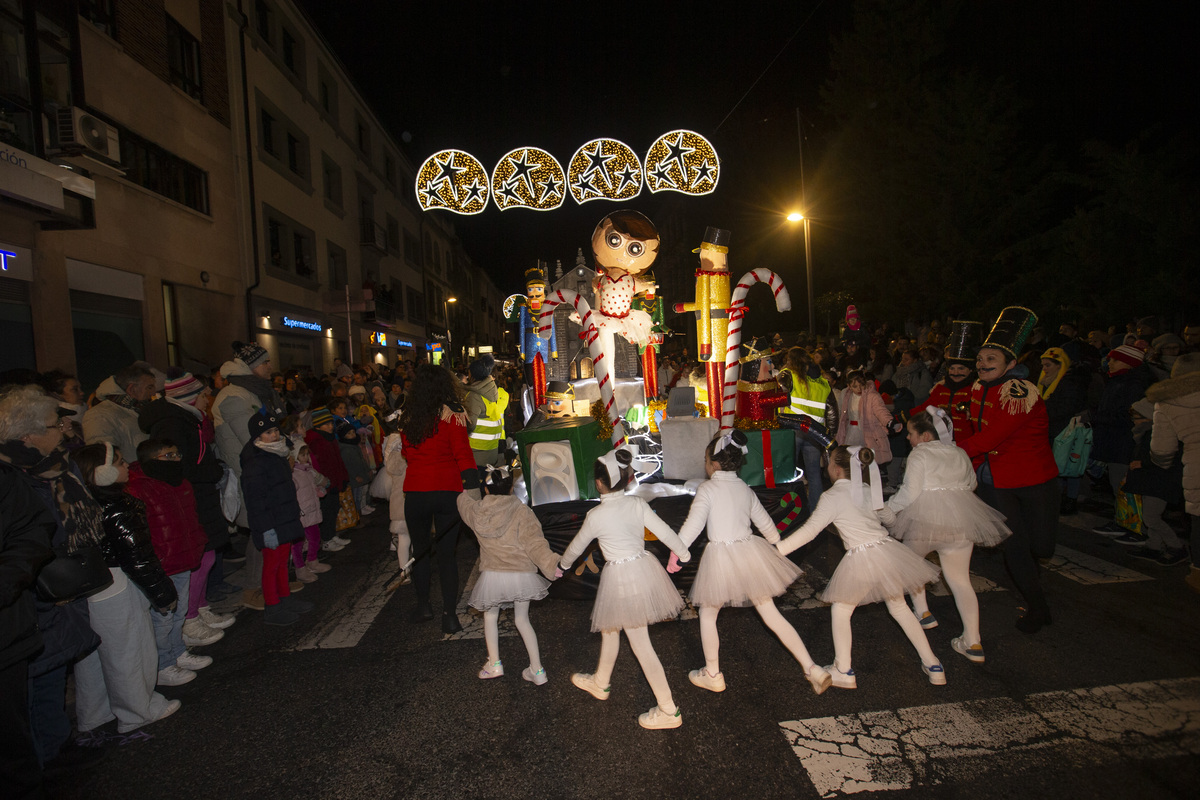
{"x":288,"y":322}
{"x":403,"y":343}
{"x":5,"y":255}
{"x":379,"y":339}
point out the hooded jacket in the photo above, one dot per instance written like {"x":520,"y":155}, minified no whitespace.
{"x":510,"y":536}
{"x":231,"y":410}
{"x":26,"y":527}
{"x":270,"y":496}
{"x":181,"y":425}
{"x":109,"y":422}
{"x":127,"y":544}
{"x":874,"y":417}
{"x":175,"y":530}
{"x":1177,"y":422}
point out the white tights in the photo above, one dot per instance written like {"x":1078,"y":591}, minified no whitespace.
{"x":403,"y":547}
{"x":900,"y":612}
{"x":491,"y":633}
{"x":773,"y":619}
{"x":639,"y":642}
{"x":956,"y":569}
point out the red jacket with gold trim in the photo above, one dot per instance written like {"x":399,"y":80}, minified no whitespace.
{"x":1012,"y":434}
{"x":942,"y":396}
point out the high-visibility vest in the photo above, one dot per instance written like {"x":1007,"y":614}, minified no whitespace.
{"x":808,"y":396}
{"x":489,"y":428}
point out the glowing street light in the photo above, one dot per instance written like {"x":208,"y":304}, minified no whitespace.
{"x":449,"y":336}
{"x":796,"y":216}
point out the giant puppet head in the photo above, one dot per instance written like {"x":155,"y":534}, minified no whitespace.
{"x":625,"y":243}
{"x":535,"y":288}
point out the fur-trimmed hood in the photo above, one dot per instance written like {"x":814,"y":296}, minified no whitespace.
{"x":1176,"y":391}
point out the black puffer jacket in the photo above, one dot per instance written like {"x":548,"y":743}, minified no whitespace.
{"x":163,"y":419}
{"x":127,"y":544}
{"x":270,"y":496}
{"x":26,"y":527}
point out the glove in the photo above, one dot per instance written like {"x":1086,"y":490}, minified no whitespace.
{"x":270,"y":539}
{"x":470,"y":478}
{"x":673,"y":565}
{"x":558,"y":573}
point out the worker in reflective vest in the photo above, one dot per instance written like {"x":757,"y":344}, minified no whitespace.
{"x":812,"y":397}
{"x":485,"y":404}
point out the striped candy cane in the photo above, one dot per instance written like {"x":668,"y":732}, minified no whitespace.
{"x":601,"y":361}
{"x":737,"y":310}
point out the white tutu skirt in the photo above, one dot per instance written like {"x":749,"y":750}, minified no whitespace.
{"x":495,"y":589}
{"x":950,"y":516}
{"x":877,"y":571}
{"x":634,"y":593}
{"x":741,"y":573}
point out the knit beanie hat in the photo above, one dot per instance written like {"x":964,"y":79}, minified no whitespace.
{"x":184,"y":388}
{"x":482,"y":367}
{"x":1126,"y":354}
{"x":260,"y":423}
{"x":321,"y":416}
{"x":852,"y":318}
{"x":251,"y":354}
{"x":1145,"y":408}
{"x":356,"y":389}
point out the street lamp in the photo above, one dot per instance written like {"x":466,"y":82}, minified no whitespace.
{"x":796,"y":216}
{"x":449,"y":336}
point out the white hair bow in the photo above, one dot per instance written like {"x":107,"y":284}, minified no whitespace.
{"x":942,"y":424}
{"x":613,"y":465}
{"x":726,"y":440}
{"x":856,"y":481}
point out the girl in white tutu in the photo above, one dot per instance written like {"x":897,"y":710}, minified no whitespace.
{"x":635,"y":591}
{"x":936,"y":509}
{"x":738,"y":568}
{"x":876,"y":567}
{"x":511,"y":551}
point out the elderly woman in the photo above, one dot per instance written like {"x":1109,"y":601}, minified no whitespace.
{"x":31,"y":442}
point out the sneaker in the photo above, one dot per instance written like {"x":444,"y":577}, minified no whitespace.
{"x":1170,"y":558}
{"x":192,"y":661}
{"x":331,"y":546}
{"x":928,"y":620}
{"x":175,"y":676}
{"x":657,"y":719}
{"x":253,"y":599}
{"x":492,"y":669}
{"x":367,"y":510}
{"x":305,"y":575}
{"x":705,"y":680}
{"x":278,"y":615}
{"x":198,"y":634}
{"x":819,"y":677}
{"x":1110,"y":529}
{"x":216,"y":621}
{"x":936,"y":675}
{"x":536,"y":678}
{"x":339,"y":539}
{"x":1131,"y":539}
{"x":589,"y":685}
{"x":295,"y":587}
{"x":972,"y":653}
{"x":842,"y":680}
{"x":317,"y":567}
{"x":172,"y":707}
{"x":1146,"y":553}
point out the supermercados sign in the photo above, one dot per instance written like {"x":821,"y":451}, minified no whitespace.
{"x":289,"y":322}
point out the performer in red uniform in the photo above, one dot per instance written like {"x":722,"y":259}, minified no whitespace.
{"x":953,"y":392}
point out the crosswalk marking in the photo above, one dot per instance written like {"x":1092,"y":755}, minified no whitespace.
{"x":888,"y":750}
{"x":1089,"y":570}
{"x":345,"y":623}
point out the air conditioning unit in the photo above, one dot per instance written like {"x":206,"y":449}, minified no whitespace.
{"x":81,"y":133}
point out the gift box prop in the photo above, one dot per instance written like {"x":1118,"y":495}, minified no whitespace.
{"x":557,"y":457}
{"x":772,"y":458}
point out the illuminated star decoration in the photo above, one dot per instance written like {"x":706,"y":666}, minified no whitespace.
{"x":604,"y":169}
{"x":528,"y":177}
{"x":452,"y":180}
{"x":682,"y":161}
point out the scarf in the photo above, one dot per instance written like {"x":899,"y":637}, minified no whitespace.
{"x":124,"y":401}
{"x":78,"y":512}
{"x":280,"y":447}
{"x":260,"y":388}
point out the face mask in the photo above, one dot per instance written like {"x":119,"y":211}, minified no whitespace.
{"x":166,"y":471}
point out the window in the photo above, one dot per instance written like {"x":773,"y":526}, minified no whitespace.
{"x":183,"y":57}
{"x":389,"y":170}
{"x":262,"y":19}
{"x":268,"y":133}
{"x":362,"y":136}
{"x":412,"y":248}
{"x":100,"y":13}
{"x":297,"y":156}
{"x":290,"y":249}
{"x":283,"y":145}
{"x":331,"y":178}
{"x":393,"y":234}
{"x":327,"y":93}
{"x":336,"y":258}
{"x":164,"y":173}
{"x":416,"y":306}
{"x":302,"y":255}
{"x":289,"y":50}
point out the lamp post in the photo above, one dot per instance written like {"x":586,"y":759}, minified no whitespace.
{"x":796,"y":216}
{"x":449,"y":336}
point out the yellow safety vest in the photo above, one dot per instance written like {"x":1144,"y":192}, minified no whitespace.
{"x":489,"y":428}
{"x":808,"y":397}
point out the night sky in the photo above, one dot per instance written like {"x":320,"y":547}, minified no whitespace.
{"x":487,"y":78}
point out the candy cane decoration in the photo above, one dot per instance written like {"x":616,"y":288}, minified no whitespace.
{"x":737,"y":309}
{"x":788,"y":499}
{"x":601,"y":361}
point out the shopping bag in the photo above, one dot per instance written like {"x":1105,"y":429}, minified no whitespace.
{"x":348,"y":513}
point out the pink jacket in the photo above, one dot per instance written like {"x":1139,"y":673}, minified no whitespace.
{"x":310,"y":488}
{"x":874,"y":418}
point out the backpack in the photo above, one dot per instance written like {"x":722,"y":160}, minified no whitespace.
{"x":1072,"y":447}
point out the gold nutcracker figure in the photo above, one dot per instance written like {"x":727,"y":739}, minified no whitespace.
{"x":712,"y":310}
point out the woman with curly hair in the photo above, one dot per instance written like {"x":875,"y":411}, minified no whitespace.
{"x":433,"y":428}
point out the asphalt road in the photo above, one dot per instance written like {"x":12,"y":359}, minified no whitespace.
{"x":357,"y":702}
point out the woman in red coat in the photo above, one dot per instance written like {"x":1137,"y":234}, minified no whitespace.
{"x":433,"y":429}
{"x":1011,"y":452}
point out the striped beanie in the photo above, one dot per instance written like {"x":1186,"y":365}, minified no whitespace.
{"x":184,"y":388}
{"x":321,"y":416}
{"x":1126,"y":354}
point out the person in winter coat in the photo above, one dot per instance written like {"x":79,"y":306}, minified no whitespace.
{"x":912,"y":374}
{"x":1112,"y":428}
{"x":327,"y":459}
{"x":1063,"y":387}
{"x":1158,"y":488}
{"x":350,"y":436}
{"x":115,"y":418}
{"x":274,"y":515}
{"x":117,"y":681}
{"x":179,"y":541}
{"x":485,"y":403}
{"x":180,"y":418}
{"x":311,"y":486}
{"x":1177,"y":424}
{"x":864,"y":419}
{"x":397,"y":467}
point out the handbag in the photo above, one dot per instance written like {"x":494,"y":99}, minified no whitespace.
{"x":348,"y":512}
{"x":71,"y":576}
{"x":1071,"y":447}
{"x":381,"y":487}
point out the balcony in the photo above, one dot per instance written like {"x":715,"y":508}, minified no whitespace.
{"x":372,"y":234}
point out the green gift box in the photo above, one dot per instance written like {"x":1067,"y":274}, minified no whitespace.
{"x":773,"y":448}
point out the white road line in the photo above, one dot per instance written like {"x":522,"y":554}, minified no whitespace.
{"x":1089,"y":570}
{"x":345,"y":623}
{"x":885,"y":750}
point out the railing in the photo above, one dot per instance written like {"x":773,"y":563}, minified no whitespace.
{"x":372,"y":234}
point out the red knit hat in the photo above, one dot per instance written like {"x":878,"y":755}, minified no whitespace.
{"x":1126,"y":354}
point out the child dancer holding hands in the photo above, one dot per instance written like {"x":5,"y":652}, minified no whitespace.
{"x":511,"y":551}
{"x":738,"y":568}
{"x":937,"y":509}
{"x":876,"y":567}
{"x":635,"y":591}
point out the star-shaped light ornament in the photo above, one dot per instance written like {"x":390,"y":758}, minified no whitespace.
{"x":454,"y":180}
{"x":682,"y":161}
{"x":528,"y":177}
{"x":604,"y":169}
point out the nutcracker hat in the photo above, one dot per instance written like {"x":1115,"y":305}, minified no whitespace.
{"x":559,"y":390}
{"x":963,"y":341}
{"x":535,"y":277}
{"x":1011,"y":330}
{"x":714,"y":239}
{"x":757,"y":350}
